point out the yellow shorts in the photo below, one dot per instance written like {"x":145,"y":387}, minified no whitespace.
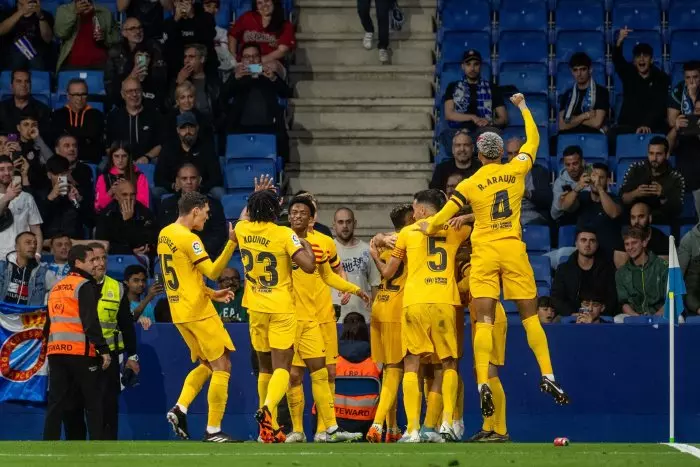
{"x":309,"y":342}
{"x":503,"y":261}
{"x":500,"y":328}
{"x":330,"y":338}
{"x":385,"y":339}
{"x":207,"y":338}
{"x":429,"y":328}
{"x":272,"y":330}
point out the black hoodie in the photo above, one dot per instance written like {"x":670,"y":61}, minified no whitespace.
{"x":570,"y":280}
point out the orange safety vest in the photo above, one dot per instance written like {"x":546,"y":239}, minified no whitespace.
{"x":66,"y":333}
{"x":361,"y":407}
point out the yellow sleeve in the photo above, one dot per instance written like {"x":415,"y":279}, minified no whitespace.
{"x":400,"y":247}
{"x":334,"y":280}
{"x":333,"y":259}
{"x":213,"y":269}
{"x":454,"y":204}
{"x":532,"y":135}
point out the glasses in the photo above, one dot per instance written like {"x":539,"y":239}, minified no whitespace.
{"x":78,"y":94}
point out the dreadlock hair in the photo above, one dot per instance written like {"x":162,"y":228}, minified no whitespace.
{"x":398,"y":215}
{"x":263,"y":206}
{"x":490,"y":145}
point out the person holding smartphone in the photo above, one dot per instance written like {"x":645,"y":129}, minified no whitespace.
{"x":27,"y":32}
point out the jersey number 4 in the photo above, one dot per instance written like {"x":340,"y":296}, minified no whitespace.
{"x":501,"y":206}
{"x":269,"y":262}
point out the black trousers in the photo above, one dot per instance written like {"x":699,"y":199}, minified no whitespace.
{"x":383,"y":8}
{"x":73,"y":377}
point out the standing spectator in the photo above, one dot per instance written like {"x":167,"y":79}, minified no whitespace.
{"x":233,"y":311}
{"x":209,"y":97}
{"x":77,"y":118}
{"x":33,"y":151}
{"x":656,"y":183}
{"x":686,"y":142}
{"x":227,"y":61}
{"x":61,"y":209}
{"x":640,"y":78}
{"x":136,"y":124}
{"x":87,"y":31}
{"x":545,"y":310}
{"x":26,"y":32}
{"x":127,"y":225}
{"x":120,"y":168}
{"x":568,"y":179}
{"x":685,"y":94}
{"x":357,"y":263}
{"x":135,"y":280}
{"x":537,"y":200}
{"x":641,"y":282}
{"x":80,"y":173}
{"x":18,"y":211}
{"x":640,"y":216}
{"x":587,"y":270}
{"x":148,"y":13}
{"x":383,"y":8}
{"x":463,"y":161}
{"x":22,"y":277}
{"x":58,"y":268}
{"x":265,"y":26}
{"x":452,"y":181}
{"x":190,"y":24}
{"x":689,"y":261}
{"x":22,"y":102}
{"x":584,"y":107}
{"x":188,"y":147}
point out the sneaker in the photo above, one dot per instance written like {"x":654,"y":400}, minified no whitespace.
{"x":296,"y":437}
{"x":218,"y":437}
{"x":392,"y":435}
{"x":383,"y":55}
{"x":320,"y":437}
{"x":486,"y":397}
{"x":494,"y":437}
{"x":339,"y":436}
{"x":448,"y":433}
{"x":552,"y":388}
{"x":367,"y":40}
{"x":374,"y":435}
{"x":458,"y":428}
{"x":479,"y":437}
{"x":178,"y":420}
{"x":429,"y":435}
{"x":264,"y":419}
{"x":412,"y":437}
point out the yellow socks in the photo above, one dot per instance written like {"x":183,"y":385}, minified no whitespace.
{"x":537,"y":340}
{"x":263,"y":382}
{"x":459,"y":404}
{"x":325,"y":401}
{"x":277,"y":388}
{"x":411,"y":399}
{"x":433,"y":410}
{"x":192,"y":385}
{"x":216,"y":397}
{"x":483,"y":345}
{"x":498,"y":423}
{"x":295,"y":401}
{"x":450,"y":381}
{"x":391,"y":420}
{"x":320,"y":426}
{"x":387,"y":398}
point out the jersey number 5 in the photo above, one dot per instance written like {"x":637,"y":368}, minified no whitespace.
{"x":270,"y":265}
{"x":171,"y":279}
{"x":501,"y":206}
{"x":434,"y":249}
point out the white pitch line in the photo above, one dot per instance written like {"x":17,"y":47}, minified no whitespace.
{"x":685,"y":448}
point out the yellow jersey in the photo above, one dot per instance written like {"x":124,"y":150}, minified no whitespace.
{"x":324,"y":246}
{"x":266,"y":251}
{"x":388,"y":304}
{"x":431,"y":263}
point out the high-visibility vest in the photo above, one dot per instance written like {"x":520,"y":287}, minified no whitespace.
{"x":66,"y":333}
{"x":357,"y":407}
{"x":107,"y":309}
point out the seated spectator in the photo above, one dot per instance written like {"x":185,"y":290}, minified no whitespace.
{"x":77,"y":118}
{"x":136,"y":124}
{"x":537,"y":200}
{"x":61,"y":209}
{"x":188,"y":147}
{"x":22,"y":102}
{"x":264,"y":25}
{"x":142,"y":307}
{"x":26,"y":33}
{"x":640,"y":78}
{"x":568,"y":179}
{"x":215,"y":232}
{"x":641,"y":282}
{"x":584,"y":107}
{"x":148,"y":13}
{"x":58,"y":268}
{"x":18,"y":211}
{"x":184,"y":102}
{"x":463,"y":161}
{"x":87,"y":31}
{"x":233,"y":311}
{"x":190,"y":24}
{"x":22,"y":277}
{"x":685,"y":94}
{"x":128,"y":226}
{"x":592,"y":307}
{"x":685,"y":144}
{"x":452,"y":181}
{"x":120,"y":168}
{"x":137,"y":57}
{"x":640,"y":216}
{"x":545,"y":311}
{"x":255,"y":107}
{"x":587,"y":269}
{"x":689,"y":261}
{"x":227,"y":61}
{"x":655,"y":183}
{"x":80,"y":174}
{"x":209,"y":97}
{"x":33,"y":152}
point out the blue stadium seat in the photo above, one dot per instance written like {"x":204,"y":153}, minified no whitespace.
{"x":567,"y":320}
{"x":542,"y":158}
{"x":117,"y":263}
{"x":683,"y":16}
{"x":234,"y":203}
{"x":579,"y":15}
{"x":458,"y":16}
{"x":565,"y":80}
{"x":523,"y":47}
{"x":594,"y":145}
{"x":685,"y":229}
{"x":94,"y":79}
{"x":543,"y":291}
{"x":251,"y":146}
{"x":513,"y":319}
{"x":241,"y":172}
{"x":455,"y":43}
{"x":517,"y":15}
{"x":643,"y":320}
{"x":685,"y":46}
{"x":539,"y":107}
{"x":590,"y":42}
{"x":508,"y":305}
{"x":622,"y":167}
{"x":633,"y":146}
{"x":567,"y":235}
{"x":50,"y":6}
{"x":94,"y":169}
{"x":653,"y":38}
{"x":542,"y":268}
{"x":149,"y":171}
{"x":636,"y":16}
{"x":43,"y":98}
{"x":536,"y":238}
{"x":528,"y":79}
{"x":223,"y":17}
{"x":41,"y":82}
{"x":694,"y":320}
{"x":666,"y":229}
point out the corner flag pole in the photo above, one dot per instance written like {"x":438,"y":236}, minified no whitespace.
{"x":671,"y":358}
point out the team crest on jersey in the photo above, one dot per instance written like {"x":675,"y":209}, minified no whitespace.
{"x":197,"y":248}
{"x":522,"y":157}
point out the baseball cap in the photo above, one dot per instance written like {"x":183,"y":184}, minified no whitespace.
{"x":642,"y":49}
{"x":470,"y":55}
{"x":186,"y":118}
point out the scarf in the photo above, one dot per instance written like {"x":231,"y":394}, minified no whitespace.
{"x":587,"y":104}
{"x":461,"y":98}
{"x":686,"y":102}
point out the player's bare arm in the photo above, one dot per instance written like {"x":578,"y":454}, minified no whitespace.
{"x":385,"y":240}
{"x":304,"y":257}
{"x":387,"y":270}
{"x":222,"y":296}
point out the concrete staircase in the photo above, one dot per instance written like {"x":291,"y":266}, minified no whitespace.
{"x":361,"y":131}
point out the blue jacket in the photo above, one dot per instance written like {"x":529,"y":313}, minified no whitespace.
{"x":37,"y":281}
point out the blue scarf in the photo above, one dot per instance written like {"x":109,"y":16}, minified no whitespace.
{"x":587,"y":104}
{"x":483,"y":100}
{"x":686,"y":102}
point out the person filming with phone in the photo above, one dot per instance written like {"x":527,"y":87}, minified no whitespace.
{"x":18,"y":210}
{"x":62,"y":208}
{"x":27,"y":33}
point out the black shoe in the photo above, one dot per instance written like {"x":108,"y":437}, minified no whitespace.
{"x":218,"y":437}
{"x":494,"y":437}
{"x":552,"y":388}
{"x":178,"y":420}
{"x":478,"y":437}
{"x":486,"y":397}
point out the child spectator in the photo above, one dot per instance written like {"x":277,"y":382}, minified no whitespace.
{"x":545,"y":310}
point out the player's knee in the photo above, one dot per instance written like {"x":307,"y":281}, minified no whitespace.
{"x":449,"y":363}
{"x":493,"y":371}
{"x":296,"y":376}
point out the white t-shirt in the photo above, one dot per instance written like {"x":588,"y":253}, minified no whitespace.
{"x":25,"y":213}
{"x":361,"y":271}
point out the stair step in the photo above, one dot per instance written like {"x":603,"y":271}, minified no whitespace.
{"x":361,"y":121}
{"x":397,"y":39}
{"x":369,"y":136}
{"x":358,"y":56}
{"x":360,"y":102}
{"x":372,"y":220}
{"x":366,"y":199}
{"x":353,"y":4}
{"x":366,"y":89}
{"x":374,"y":72}
{"x":366,"y":172}
{"x":335,"y":154}
{"x":350,"y":167}
{"x":351,"y":186}
{"x":346,"y":20}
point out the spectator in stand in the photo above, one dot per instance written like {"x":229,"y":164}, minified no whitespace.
{"x":657,"y":241}
{"x":587,"y":270}
{"x":61,"y":208}
{"x":188,"y":147}
{"x":463,"y":161}
{"x":149,"y":14}
{"x":87,"y":31}
{"x":227,"y":61}
{"x":142,"y":307}
{"x":137,"y":57}
{"x":214,"y":235}
{"x":233,"y":311}
{"x":58,"y":268}
{"x":537,"y":200}
{"x":33,"y":152}
{"x":136,"y":124}
{"x":80,"y":174}
{"x":685,"y":94}
{"x":656,"y":183}
{"x":22,"y":102}
{"x":22,"y":277}
{"x":592,"y":307}
{"x":255,"y":96}
{"x":127,"y":225}
{"x":77,"y":118}
{"x":546,"y":311}
{"x":452,"y":182}
{"x":568,"y":179}
{"x":120,"y":168}
{"x":190,"y":24}
{"x":641,"y":282}
{"x":266,"y":26}
{"x":689,"y":261}
{"x":640,"y":78}
{"x":26,"y":33}
{"x":686,"y":141}
{"x":18,"y":211}
{"x":184,"y":102}
{"x":209,"y":97}
{"x":383,"y":8}
{"x":584,"y":107}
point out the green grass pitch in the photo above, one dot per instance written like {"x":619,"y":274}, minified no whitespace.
{"x":197,"y":454}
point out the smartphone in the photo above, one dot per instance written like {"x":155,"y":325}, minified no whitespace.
{"x":12,"y":138}
{"x":255,"y":68}
{"x":158,"y":279}
{"x":63,"y":184}
{"x":141,"y":60}
{"x":17,"y":180}
{"x":588,"y":170}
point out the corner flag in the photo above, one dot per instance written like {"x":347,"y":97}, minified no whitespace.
{"x":675,"y":287}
